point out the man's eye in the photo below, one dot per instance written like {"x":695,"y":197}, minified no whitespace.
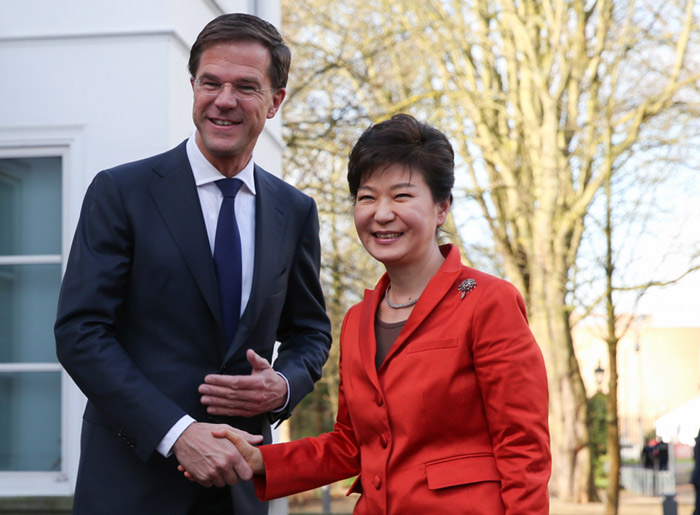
{"x":247,"y":88}
{"x":212,"y":85}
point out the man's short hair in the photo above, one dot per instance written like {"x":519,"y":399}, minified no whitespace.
{"x":245,"y":27}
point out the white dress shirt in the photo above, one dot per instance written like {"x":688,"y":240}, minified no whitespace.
{"x":210,"y":198}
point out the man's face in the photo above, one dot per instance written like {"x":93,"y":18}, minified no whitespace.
{"x":228,"y":126}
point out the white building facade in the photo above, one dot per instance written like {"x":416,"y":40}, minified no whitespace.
{"x":86,"y":85}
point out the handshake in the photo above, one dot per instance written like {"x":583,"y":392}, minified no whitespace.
{"x":217,"y":454}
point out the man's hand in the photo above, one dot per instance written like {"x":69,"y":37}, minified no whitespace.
{"x":250,"y":454}
{"x":245,"y":396}
{"x":209,"y":460}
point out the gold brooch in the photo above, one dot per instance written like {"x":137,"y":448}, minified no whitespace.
{"x":466,"y":286}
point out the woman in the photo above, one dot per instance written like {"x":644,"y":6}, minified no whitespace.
{"x":443,"y":395}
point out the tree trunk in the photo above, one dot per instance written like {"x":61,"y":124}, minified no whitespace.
{"x":613,"y":429}
{"x":612,"y":501}
{"x":571,"y":460}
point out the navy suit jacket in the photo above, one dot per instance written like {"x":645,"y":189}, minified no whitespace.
{"x":139,"y":323}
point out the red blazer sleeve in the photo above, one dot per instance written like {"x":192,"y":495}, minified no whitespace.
{"x":310,"y":463}
{"x":513,"y":383}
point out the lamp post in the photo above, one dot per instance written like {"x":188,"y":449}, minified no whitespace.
{"x":599,"y":375}
{"x":639,"y":323}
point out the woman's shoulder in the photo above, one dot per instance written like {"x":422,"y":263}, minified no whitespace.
{"x":478,"y":275}
{"x":470,"y":279}
{"x":467,"y":275}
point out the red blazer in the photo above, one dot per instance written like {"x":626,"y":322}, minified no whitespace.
{"x":455,"y":421}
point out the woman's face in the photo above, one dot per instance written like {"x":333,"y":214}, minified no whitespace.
{"x":396,"y":217}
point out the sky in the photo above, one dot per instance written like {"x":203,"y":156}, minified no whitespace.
{"x":674,"y":306}
{"x":666,"y":253}
{"x":660,"y":250}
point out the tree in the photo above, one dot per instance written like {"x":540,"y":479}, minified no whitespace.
{"x":616,"y":326}
{"x":543,"y":101}
{"x":612,"y":499}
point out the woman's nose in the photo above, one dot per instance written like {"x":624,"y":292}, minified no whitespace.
{"x":384,"y":212}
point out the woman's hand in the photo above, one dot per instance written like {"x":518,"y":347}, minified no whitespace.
{"x":250,"y":453}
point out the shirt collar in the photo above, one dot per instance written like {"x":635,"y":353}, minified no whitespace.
{"x":204,"y":172}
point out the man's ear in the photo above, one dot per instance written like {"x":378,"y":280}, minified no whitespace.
{"x":277,"y":100}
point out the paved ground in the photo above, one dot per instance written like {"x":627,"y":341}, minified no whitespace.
{"x":630,"y":504}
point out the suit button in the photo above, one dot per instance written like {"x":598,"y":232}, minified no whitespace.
{"x":377,"y":482}
{"x":383,"y":441}
{"x":378,"y":399}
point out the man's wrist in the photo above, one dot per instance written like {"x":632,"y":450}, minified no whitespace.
{"x":165,"y":447}
{"x":286,"y":402}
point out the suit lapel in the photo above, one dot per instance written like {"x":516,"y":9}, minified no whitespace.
{"x":270,"y":223}
{"x":175,"y":193}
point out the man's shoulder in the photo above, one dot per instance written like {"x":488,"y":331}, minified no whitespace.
{"x":268,"y":182}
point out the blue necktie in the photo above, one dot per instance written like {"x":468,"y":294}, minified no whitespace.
{"x":227,"y":258}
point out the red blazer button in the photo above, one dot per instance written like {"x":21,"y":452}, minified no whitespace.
{"x":383,"y":441}
{"x":377,"y":482}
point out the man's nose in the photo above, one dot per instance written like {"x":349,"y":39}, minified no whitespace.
{"x":227,"y":98}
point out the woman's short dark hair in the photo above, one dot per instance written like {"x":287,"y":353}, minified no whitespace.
{"x":245,"y":27}
{"x":403,"y":140}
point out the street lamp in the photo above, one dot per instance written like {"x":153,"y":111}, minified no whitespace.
{"x":599,"y":374}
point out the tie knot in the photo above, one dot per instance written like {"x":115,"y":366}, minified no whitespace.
{"x":229,"y":187}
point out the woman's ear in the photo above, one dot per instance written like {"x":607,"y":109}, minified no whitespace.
{"x":443,"y":207}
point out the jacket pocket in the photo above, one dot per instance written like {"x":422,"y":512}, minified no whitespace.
{"x":461,"y":470}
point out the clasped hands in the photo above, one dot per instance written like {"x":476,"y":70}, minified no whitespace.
{"x":217,"y":454}
{"x":240,"y":462}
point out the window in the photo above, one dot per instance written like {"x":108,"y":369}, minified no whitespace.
{"x":30,"y":277}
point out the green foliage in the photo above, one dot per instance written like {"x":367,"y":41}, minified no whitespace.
{"x":597,"y":410}
{"x":314,"y":415}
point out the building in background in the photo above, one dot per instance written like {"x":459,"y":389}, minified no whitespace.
{"x":658,"y":371}
{"x":86,"y":85}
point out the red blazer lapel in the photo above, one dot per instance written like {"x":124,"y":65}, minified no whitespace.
{"x":367,"y":340}
{"x":441,"y":285}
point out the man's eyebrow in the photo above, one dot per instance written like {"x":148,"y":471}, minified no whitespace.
{"x":247,"y":80}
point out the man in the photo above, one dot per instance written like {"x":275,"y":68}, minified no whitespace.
{"x":168,"y":339}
